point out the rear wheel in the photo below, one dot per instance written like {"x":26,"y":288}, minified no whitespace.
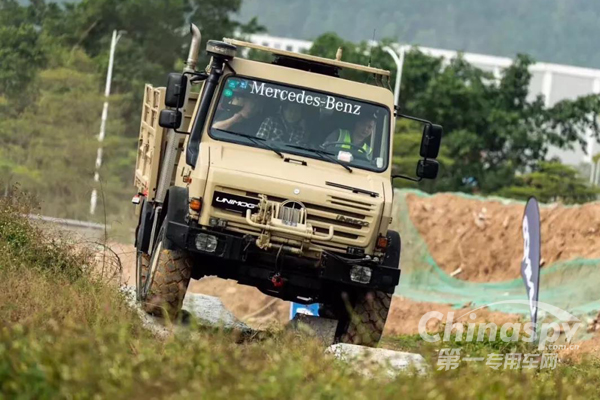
{"x":165,"y":283}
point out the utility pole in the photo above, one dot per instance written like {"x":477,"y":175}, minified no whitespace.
{"x":116,"y":35}
{"x":399,"y":60}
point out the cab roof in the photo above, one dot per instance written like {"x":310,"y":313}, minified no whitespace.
{"x":308,"y":58}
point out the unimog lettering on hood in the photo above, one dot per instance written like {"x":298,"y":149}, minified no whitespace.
{"x":234,"y":203}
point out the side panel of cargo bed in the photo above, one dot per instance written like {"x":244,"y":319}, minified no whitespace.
{"x":152,"y":139}
{"x":150,"y":142}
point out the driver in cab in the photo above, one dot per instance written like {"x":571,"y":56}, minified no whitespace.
{"x":358,"y":139}
{"x":286,"y":126}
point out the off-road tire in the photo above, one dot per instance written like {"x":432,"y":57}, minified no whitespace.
{"x":169,"y":281}
{"x":364,"y":312}
{"x":365,"y":318}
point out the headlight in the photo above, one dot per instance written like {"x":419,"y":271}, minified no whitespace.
{"x":360,"y":274}
{"x":207,"y":243}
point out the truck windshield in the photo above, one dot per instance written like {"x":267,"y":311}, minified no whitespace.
{"x":305,"y":122}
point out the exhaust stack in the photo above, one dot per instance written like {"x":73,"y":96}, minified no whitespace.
{"x":194,"y":49}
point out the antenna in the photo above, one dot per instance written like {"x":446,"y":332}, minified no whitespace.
{"x":371,"y":47}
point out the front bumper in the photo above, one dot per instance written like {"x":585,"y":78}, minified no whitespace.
{"x":237,"y":257}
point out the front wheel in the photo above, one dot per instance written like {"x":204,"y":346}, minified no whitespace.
{"x":363,"y":318}
{"x":166,"y":279}
{"x":362,"y":313}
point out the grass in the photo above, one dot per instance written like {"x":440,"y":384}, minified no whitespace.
{"x":67,"y":333}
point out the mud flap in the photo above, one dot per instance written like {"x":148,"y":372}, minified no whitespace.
{"x":144,"y":227}
{"x":392,"y":255}
{"x":177,"y":206}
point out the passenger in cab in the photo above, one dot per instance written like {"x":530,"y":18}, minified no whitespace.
{"x":240,"y":116}
{"x":359,"y":138}
{"x":285,"y":126}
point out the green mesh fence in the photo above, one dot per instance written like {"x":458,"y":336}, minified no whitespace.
{"x":572,"y":285}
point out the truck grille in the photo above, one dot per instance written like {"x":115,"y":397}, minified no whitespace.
{"x":345,"y":215}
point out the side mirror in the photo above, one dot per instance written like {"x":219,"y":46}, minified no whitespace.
{"x":176,"y":90}
{"x":427,"y":169}
{"x":170,"y":119}
{"x":430,"y":143}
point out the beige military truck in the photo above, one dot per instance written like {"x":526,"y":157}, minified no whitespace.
{"x":277,"y":175}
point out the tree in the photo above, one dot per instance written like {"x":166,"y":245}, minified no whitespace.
{"x":572,"y":118}
{"x":157,"y":33}
{"x":21,"y":54}
{"x":362,"y":53}
{"x":155,"y":41}
{"x":214,"y":18}
{"x":50,"y":148}
{"x":53,"y":60}
{"x":551,"y":182}
{"x":492,"y":130}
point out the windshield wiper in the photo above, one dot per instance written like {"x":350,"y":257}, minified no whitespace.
{"x":325,"y":155}
{"x":256,"y":140}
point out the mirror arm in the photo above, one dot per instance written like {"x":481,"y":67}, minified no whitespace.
{"x":407,"y":178}
{"x":397,"y":114}
{"x":414,"y":119}
{"x":196,"y":76}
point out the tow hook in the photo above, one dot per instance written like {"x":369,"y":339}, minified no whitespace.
{"x":277,"y":280}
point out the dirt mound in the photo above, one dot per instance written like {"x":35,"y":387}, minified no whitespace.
{"x":483,"y":237}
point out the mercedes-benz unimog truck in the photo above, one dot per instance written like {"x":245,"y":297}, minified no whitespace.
{"x":277,"y":175}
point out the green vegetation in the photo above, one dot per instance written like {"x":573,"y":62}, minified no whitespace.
{"x":415,"y":344}
{"x":66,"y":333}
{"x":553,"y":181}
{"x":550,"y":30}
{"x":53,"y":61}
{"x":49,"y":148}
{"x":25,"y":248}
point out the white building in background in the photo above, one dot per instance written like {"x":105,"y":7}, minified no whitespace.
{"x":554,"y":82}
